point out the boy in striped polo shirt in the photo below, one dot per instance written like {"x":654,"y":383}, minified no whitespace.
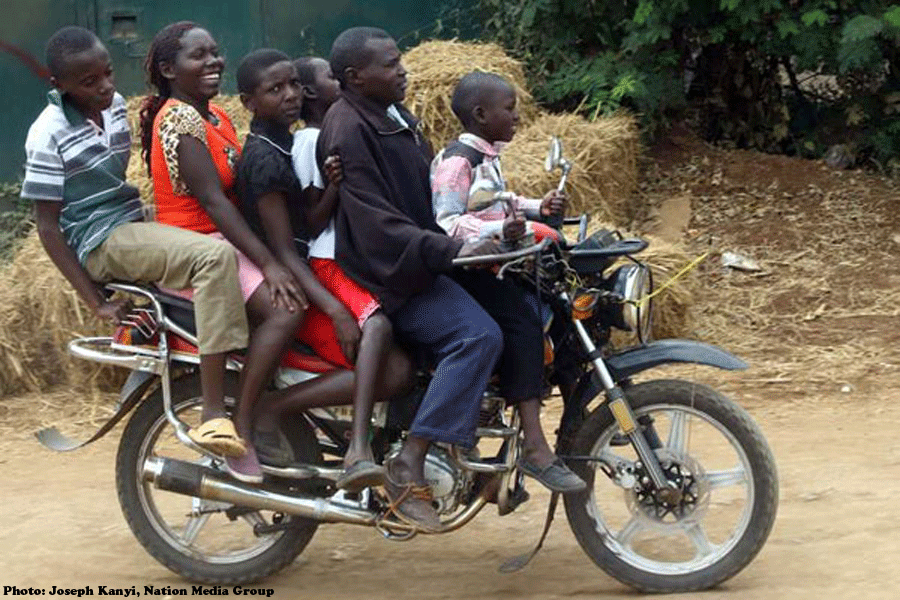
{"x":90,"y":220}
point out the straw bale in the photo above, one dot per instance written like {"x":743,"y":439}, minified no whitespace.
{"x":42,"y":313}
{"x":672,"y":315}
{"x":603,"y":154}
{"x":672,"y":308}
{"x":435,"y":68}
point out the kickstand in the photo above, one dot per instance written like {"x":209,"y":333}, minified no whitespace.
{"x":517,"y":563}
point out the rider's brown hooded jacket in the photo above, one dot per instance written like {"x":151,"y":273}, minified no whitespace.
{"x":386,"y":236}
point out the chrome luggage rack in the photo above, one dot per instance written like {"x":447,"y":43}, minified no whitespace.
{"x":149,"y":320}
{"x":146,"y":359}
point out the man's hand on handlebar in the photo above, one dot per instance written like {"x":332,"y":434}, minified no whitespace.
{"x":480,"y":247}
{"x":554,"y":203}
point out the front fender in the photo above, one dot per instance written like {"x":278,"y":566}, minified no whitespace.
{"x":623,"y":365}
{"x":629,"y":362}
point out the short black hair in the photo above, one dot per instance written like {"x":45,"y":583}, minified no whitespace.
{"x":255,"y":63}
{"x":65,"y":42}
{"x":306,"y":71}
{"x":349,"y":49}
{"x":473,"y":90}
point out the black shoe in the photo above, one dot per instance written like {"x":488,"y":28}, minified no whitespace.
{"x":272,"y":448}
{"x":556,"y":476}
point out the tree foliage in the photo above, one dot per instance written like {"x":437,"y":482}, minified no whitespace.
{"x":784,"y":75}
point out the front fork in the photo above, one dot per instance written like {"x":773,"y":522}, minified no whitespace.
{"x":623,"y":415}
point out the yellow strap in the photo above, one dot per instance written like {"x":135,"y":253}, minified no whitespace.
{"x":678,"y":275}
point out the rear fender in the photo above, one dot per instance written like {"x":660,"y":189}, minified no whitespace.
{"x":132,"y":392}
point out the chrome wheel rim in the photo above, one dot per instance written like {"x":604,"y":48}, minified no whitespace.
{"x":688,"y":540}
{"x":196,"y":527}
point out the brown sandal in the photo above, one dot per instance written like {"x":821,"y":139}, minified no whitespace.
{"x":411,"y":504}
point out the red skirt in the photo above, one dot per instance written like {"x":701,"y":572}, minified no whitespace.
{"x":317,"y":330}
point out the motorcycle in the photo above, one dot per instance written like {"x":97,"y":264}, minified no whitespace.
{"x":682,"y":486}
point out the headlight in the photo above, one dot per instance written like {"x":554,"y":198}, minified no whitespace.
{"x":633,"y":283}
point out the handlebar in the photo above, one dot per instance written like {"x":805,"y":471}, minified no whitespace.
{"x":487,"y":259}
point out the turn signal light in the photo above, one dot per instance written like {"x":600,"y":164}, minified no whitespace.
{"x":583,"y":306}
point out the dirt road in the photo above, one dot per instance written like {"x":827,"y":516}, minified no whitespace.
{"x":819,"y":327}
{"x":837,"y":533}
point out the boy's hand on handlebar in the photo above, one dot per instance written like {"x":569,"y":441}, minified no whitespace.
{"x":480,"y":247}
{"x":333,"y":169}
{"x":513,"y":228}
{"x":554,"y":203}
{"x":348,"y":334}
{"x":283,"y":288}
{"x":114,"y":310}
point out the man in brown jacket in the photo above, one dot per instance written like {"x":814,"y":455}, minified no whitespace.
{"x":387,"y":240}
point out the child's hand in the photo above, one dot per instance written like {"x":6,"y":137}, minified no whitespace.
{"x":333,"y":169}
{"x":348,"y":334}
{"x":554,"y":203}
{"x":283,"y":288}
{"x":513,"y":228}
{"x":114,"y":310}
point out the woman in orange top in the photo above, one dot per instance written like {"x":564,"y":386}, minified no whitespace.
{"x":190,"y":147}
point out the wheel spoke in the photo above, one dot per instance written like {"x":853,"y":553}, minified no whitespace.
{"x":720,"y":479}
{"x":628,"y":531}
{"x":698,"y":537}
{"x":193,"y":526}
{"x":254,"y":518}
{"x":678,"y":430}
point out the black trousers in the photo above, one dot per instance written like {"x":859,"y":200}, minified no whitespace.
{"x":522,"y":361}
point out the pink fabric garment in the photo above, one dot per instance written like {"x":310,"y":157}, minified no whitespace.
{"x":471,"y":202}
{"x":248,"y":273}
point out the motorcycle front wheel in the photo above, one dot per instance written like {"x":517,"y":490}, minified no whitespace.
{"x":205,"y":541}
{"x":716,"y":456}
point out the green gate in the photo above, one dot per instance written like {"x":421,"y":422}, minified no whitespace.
{"x":127,"y":26}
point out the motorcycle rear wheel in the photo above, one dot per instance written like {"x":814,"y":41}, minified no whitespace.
{"x":193,"y":537}
{"x":717,"y":452}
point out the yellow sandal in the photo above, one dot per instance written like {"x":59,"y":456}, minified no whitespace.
{"x":218,"y":435}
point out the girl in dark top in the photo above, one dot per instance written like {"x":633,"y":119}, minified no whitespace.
{"x":271,"y":198}
{"x":190,"y":148}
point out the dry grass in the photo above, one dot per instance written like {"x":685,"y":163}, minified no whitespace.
{"x":823,"y":312}
{"x":434,"y":70}
{"x":41,"y":314}
{"x":77,"y":414}
{"x":604,"y":154}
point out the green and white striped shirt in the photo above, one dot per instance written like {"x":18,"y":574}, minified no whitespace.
{"x":70,"y":159}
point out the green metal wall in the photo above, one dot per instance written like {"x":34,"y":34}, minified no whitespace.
{"x":127,"y":26}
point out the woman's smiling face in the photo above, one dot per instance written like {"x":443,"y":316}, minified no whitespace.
{"x":198,"y":66}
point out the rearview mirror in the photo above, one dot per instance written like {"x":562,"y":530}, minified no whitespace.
{"x":554,"y":154}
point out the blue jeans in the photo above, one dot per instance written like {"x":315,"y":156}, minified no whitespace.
{"x":466,"y":343}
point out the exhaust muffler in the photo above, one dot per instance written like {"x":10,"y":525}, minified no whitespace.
{"x":192,"y":479}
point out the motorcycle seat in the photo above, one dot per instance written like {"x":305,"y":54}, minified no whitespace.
{"x":181,"y":311}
